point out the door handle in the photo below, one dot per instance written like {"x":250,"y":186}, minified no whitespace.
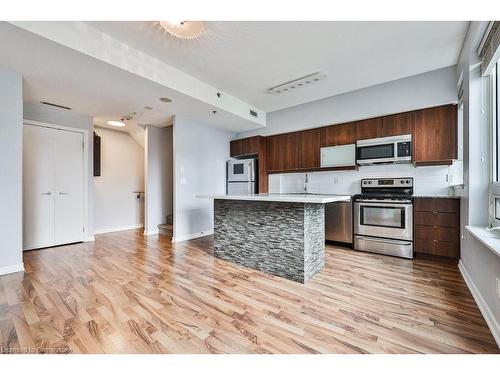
{"x":63,"y":193}
{"x":46,"y":193}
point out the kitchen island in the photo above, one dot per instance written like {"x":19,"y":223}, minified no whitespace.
{"x":280,"y":234}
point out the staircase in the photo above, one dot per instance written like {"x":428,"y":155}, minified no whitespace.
{"x":168,"y":228}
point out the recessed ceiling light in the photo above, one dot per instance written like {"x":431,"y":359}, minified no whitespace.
{"x":148,"y":108}
{"x":116,"y":123}
{"x":184,"y":29}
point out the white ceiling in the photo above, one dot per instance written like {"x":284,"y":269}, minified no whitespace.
{"x":57,"y":74}
{"x":246,"y":58}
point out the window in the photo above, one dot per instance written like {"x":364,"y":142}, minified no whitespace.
{"x":494,"y":118}
{"x":495,"y":175}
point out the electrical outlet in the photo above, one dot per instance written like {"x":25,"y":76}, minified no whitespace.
{"x":335,"y":180}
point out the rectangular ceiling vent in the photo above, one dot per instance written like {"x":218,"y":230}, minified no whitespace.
{"x":296,"y":84}
{"x":56,"y":105}
{"x":253,"y":113}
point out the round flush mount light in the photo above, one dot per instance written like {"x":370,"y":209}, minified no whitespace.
{"x":184,"y":29}
{"x":116,"y":123}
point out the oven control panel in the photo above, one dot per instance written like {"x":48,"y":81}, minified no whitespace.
{"x":387,"y":182}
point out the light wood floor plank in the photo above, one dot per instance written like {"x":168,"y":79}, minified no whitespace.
{"x":127,"y":293}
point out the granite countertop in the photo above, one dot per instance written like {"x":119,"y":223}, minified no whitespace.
{"x":294,"y":198}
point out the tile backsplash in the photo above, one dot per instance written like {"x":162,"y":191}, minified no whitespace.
{"x":434,"y":180}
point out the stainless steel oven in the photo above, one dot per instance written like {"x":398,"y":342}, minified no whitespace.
{"x":397,"y":149}
{"x":383,"y":217}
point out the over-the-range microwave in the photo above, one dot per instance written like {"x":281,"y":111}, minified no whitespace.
{"x":397,"y":149}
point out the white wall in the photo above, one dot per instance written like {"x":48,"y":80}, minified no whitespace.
{"x":479,"y":265}
{"x":159,"y":177}
{"x":420,"y":91}
{"x":200,"y":155}
{"x":122,"y":173}
{"x":431,"y":181}
{"x":11,"y":138}
{"x":58,"y":116}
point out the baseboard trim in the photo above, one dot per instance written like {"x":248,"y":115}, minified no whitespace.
{"x":118,"y":229}
{"x":192,"y":236}
{"x":488,"y":316}
{"x":11,"y":269}
{"x":151,"y":232}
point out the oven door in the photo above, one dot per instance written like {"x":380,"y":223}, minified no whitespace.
{"x":376,"y":153}
{"x":384,"y":219}
{"x":240,"y":170}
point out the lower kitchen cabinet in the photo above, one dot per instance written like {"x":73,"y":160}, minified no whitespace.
{"x":437,"y":226}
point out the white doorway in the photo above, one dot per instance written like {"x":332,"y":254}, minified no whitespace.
{"x":53,"y":187}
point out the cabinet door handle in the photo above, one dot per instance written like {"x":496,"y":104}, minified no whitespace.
{"x":63,"y":193}
{"x":46,"y":193}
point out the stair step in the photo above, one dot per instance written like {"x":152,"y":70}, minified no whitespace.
{"x":166,"y":229}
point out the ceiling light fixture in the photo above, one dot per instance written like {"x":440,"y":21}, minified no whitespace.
{"x":296,"y":83}
{"x":165,"y":99}
{"x":116,"y":123}
{"x":184,"y":29}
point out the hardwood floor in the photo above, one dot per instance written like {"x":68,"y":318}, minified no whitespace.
{"x":127,"y":293}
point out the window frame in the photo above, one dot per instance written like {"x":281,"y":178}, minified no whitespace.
{"x":494,"y":107}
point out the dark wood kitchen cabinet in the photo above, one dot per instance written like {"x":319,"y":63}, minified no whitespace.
{"x":398,"y":124}
{"x":437,"y":226}
{"x":275,"y":151}
{"x":309,"y":149}
{"x":368,"y":129}
{"x":435,"y":140}
{"x":293,"y":151}
{"x":338,"y":135}
{"x":245,"y":146}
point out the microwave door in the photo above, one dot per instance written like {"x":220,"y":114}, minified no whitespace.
{"x":381,"y":153}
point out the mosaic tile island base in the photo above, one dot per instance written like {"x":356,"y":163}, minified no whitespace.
{"x":285,"y":239}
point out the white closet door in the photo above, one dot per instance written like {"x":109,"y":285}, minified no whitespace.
{"x":38,"y":187}
{"x":68,"y":187}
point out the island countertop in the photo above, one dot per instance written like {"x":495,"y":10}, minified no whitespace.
{"x":293,"y":198}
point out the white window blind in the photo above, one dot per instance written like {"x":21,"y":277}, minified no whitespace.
{"x":489,"y":50}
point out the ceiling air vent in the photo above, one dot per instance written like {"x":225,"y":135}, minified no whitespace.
{"x":253,"y":113}
{"x":296,"y":83}
{"x":56,"y":105}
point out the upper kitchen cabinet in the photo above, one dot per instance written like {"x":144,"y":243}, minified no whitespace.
{"x":435,"y":140}
{"x":245,"y":146}
{"x":338,"y":135}
{"x":294,"y":151}
{"x":401,"y":123}
{"x":368,"y":129}
{"x":309,"y":148}
{"x":275,"y":152}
